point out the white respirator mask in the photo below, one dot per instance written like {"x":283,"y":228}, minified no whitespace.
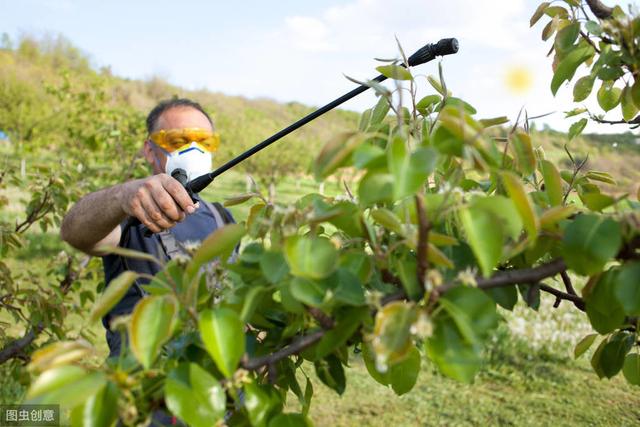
{"x":192,"y":158}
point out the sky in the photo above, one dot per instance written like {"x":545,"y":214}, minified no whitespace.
{"x":291,"y":50}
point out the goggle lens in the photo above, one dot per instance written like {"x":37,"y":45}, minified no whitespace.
{"x":174,"y":139}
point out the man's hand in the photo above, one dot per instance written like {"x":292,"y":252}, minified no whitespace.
{"x":159,"y":202}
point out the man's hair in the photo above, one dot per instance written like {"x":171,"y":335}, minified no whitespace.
{"x":168,"y":104}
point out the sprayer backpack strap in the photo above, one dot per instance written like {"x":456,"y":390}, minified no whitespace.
{"x":170,"y":245}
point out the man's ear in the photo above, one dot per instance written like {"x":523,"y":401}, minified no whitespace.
{"x":147,"y":150}
{"x":155,"y":157}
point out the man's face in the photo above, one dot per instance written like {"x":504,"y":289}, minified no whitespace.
{"x":174,"y":118}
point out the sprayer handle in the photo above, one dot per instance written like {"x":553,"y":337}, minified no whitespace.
{"x":430,"y":51}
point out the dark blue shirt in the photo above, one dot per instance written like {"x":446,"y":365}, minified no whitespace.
{"x":195,"y":228}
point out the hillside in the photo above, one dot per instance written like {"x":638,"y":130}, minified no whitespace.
{"x":47,"y":86}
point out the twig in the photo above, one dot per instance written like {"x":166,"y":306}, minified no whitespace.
{"x":294,"y":348}
{"x":423,"y":240}
{"x":325,"y":321}
{"x":567,"y":283}
{"x":588,"y":39}
{"x":573,"y":177}
{"x":512,"y":277}
{"x":14,"y":348}
{"x":577,"y":301}
{"x":599,"y":10}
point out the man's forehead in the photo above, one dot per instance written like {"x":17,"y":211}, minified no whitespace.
{"x":182,"y":117}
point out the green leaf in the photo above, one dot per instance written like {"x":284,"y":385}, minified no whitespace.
{"x":608,"y":96}
{"x":290,"y":420}
{"x":603,"y":309}
{"x":380,"y":111}
{"x":435,"y":83}
{"x":460,"y":104}
{"x":151,"y":326}
{"x":473,"y":312}
{"x":593,"y":27}
{"x":629,"y":108}
{"x":614,"y":352}
{"x":538,"y":13}
{"x":503,"y":208}
{"x":388,"y":220}
{"x":66,"y":385}
{"x":261,"y":403}
{"x":219,"y":244}
{"x":635,"y":92}
{"x":310,"y":257}
{"x":348,"y":289}
{"x":194,"y":395}
{"x":101,"y":409}
{"x":368,"y":156}
{"x":395,"y":72}
{"x":584,"y":345}
{"x":410,"y":170}
{"x":128,"y":253}
{"x":376,"y":187}
{"x":485,"y":236}
{"x":576,"y":128}
{"x":347,"y":323}
{"x":452,"y":354}
{"x":336,"y":153}
{"x":523,"y":204}
{"x":566,"y":37}
{"x":552,"y":183}
{"x":404,"y":374}
{"x":601,"y":177}
{"x":568,"y":66}
{"x":631,"y":369}
{"x":595,"y":359}
{"x":523,"y":150}
{"x":308,"y":291}
{"x":330,"y":371}
{"x":222,"y":332}
{"x":556,"y":11}
{"x":446,"y":142}
{"x":495,"y":121}
{"x":627,"y":288}
{"x":406,"y":267}
{"x":112,"y":294}
{"x":589,"y":242}
{"x":596,"y":201}
{"x":505,"y":296}
{"x":274,"y":266}
{"x":425,"y":104}
{"x":239,"y":199}
{"x":391,"y":333}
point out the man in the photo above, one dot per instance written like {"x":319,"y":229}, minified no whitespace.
{"x":180,"y":135}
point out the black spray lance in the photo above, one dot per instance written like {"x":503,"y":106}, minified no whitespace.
{"x":423,"y":55}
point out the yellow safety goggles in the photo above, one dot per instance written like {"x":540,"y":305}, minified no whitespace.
{"x":174,"y":139}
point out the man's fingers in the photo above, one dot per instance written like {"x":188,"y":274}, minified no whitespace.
{"x":165,"y":202}
{"x":139,"y":212}
{"x":179,"y":194}
{"x":154,"y":213}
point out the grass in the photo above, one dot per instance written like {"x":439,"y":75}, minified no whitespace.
{"x":517,"y":387}
{"x":521,"y":384}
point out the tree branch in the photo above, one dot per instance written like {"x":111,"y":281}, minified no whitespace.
{"x":325,"y":321}
{"x":599,"y":10}
{"x":15,"y":348}
{"x":423,"y":240}
{"x":294,"y":348}
{"x":577,"y":301}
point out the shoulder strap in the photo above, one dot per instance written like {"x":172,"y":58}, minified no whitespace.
{"x":221,"y":215}
{"x":169,"y":244}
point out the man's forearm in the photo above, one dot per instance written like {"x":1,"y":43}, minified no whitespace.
{"x":93,"y":217}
